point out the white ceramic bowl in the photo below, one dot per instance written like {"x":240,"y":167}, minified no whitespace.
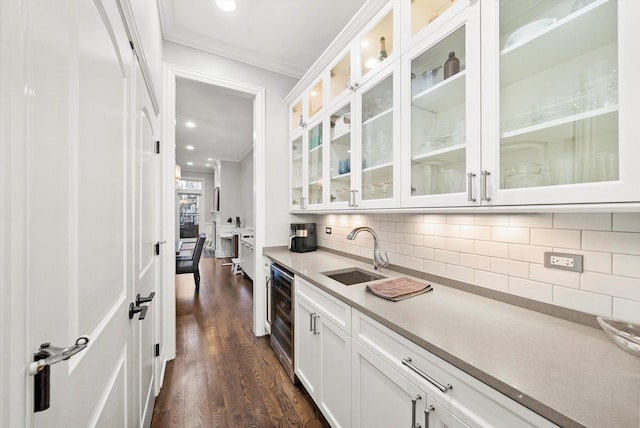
{"x":528,"y":30}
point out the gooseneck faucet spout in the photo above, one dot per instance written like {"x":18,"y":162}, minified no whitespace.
{"x":379,"y":261}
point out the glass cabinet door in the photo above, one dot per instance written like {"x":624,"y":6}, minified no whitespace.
{"x":424,"y":12}
{"x":340,"y":152}
{"x":315,"y":97}
{"x":340,"y":77}
{"x":378,"y":137}
{"x":377,"y":44}
{"x":559,"y":116}
{"x":297,"y":173}
{"x":444,"y":124}
{"x":438,"y":118}
{"x":314,"y":164}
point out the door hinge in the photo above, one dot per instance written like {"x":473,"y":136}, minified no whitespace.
{"x":158,"y":147}
{"x":156,"y":350}
{"x":131,"y":44}
{"x":157,"y":250}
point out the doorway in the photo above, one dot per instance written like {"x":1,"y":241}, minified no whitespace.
{"x":256,"y":94}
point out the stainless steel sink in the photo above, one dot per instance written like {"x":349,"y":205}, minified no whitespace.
{"x":351,"y":276}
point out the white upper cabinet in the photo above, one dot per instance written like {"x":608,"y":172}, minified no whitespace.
{"x":467,"y":103}
{"x":440,"y":105}
{"x":558,"y":103}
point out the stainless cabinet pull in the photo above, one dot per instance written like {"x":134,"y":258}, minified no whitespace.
{"x":303,"y":203}
{"x":483,"y":186}
{"x":311,"y":321}
{"x":414,"y":400}
{"x":470,"y":197}
{"x":427,"y":411}
{"x":315,"y":327}
{"x":432,"y":381}
{"x":353,"y":198}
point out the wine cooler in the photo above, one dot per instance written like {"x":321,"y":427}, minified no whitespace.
{"x":281,"y":315}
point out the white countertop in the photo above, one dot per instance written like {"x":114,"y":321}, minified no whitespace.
{"x":567,"y":372}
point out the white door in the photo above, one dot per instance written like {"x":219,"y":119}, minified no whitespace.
{"x":335,"y":372}
{"x":74,"y":220}
{"x":307,"y":346}
{"x":146,"y":250}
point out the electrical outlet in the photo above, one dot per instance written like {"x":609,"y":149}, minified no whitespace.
{"x":327,"y":230}
{"x":564,"y":261}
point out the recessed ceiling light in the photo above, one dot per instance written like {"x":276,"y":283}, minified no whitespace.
{"x":190,"y":163}
{"x":189,"y":147}
{"x":190,"y":124}
{"x":210,"y":159}
{"x":365,"y":44}
{"x":207,"y":164}
{"x":314,"y":93}
{"x":226,"y":5}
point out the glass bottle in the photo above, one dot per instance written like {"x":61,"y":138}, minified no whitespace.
{"x":451,"y":65}
{"x":382,"y":51}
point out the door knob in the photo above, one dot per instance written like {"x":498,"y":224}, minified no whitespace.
{"x":147,"y":299}
{"x":133,"y":309}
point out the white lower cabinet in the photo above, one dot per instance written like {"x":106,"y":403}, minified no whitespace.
{"x":362,"y":374}
{"x":323,"y":351}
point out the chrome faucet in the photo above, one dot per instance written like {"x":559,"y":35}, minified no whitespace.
{"x":379,"y":261}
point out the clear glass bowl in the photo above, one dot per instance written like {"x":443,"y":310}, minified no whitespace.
{"x":623,"y":334}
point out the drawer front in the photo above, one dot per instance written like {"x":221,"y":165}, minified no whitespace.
{"x":328,"y":306}
{"x":475,"y":403}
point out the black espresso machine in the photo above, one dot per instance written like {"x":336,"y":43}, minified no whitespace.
{"x":303,"y":237}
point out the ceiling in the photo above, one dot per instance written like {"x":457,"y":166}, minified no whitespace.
{"x":284,"y":36}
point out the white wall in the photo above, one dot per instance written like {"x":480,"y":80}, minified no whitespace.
{"x":246,"y":190}
{"x":230,"y":199}
{"x":276,"y":86}
{"x":505,"y":252}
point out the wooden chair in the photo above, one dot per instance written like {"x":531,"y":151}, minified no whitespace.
{"x":190,"y":265}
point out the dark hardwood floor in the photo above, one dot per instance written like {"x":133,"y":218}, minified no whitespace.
{"x":224,"y":376}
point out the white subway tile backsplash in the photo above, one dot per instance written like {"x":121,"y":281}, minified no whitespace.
{"x":506,"y":252}
{"x":491,"y":280}
{"x":475,"y":261}
{"x":413,"y":263}
{"x":556,"y":238}
{"x":516,"y":235}
{"x":527,"y":253}
{"x":413,"y":239}
{"x":404,"y":227}
{"x":435,"y":218}
{"x":435,"y":268}
{"x":460,"y":273}
{"x":435,"y":242}
{"x":475,"y":232}
{"x":424,"y":228}
{"x":460,"y":245}
{"x":554,"y":276}
{"x":626,"y":222}
{"x":510,"y":267}
{"x":491,"y":219}
{"x":614,"y":242}
{"x":593,"y":303}
{"x":448,"y":230}
{"x":627,"y":310}
{"x":450,"y":257}
{"x":459,"y":219}
{"x":495,"y":249}
{"x":531,"y":289}
{"x":424,"y":253}
{"x":625,"y":265}
{"x":531,"y":220}
{"x":594,"y":261}
{"x":611,"y":285}
{"x":585,"y":221}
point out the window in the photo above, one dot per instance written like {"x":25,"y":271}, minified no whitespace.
{"x":189,"y":185}
{"x":189,"y":205}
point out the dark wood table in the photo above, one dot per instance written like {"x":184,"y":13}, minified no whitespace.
{"x":179,"y":245}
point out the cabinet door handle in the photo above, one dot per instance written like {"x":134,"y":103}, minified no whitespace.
{"x":470,"y":197}
{"x":353,"y":198}
{"x":414,"y":400}
{"x":315,"y":326}
{"x":483,"y":186}
{"x":443,"y":388}
{"x":303,"y":203}
{"x":427,"y":411}
{"x":311,"y":321}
